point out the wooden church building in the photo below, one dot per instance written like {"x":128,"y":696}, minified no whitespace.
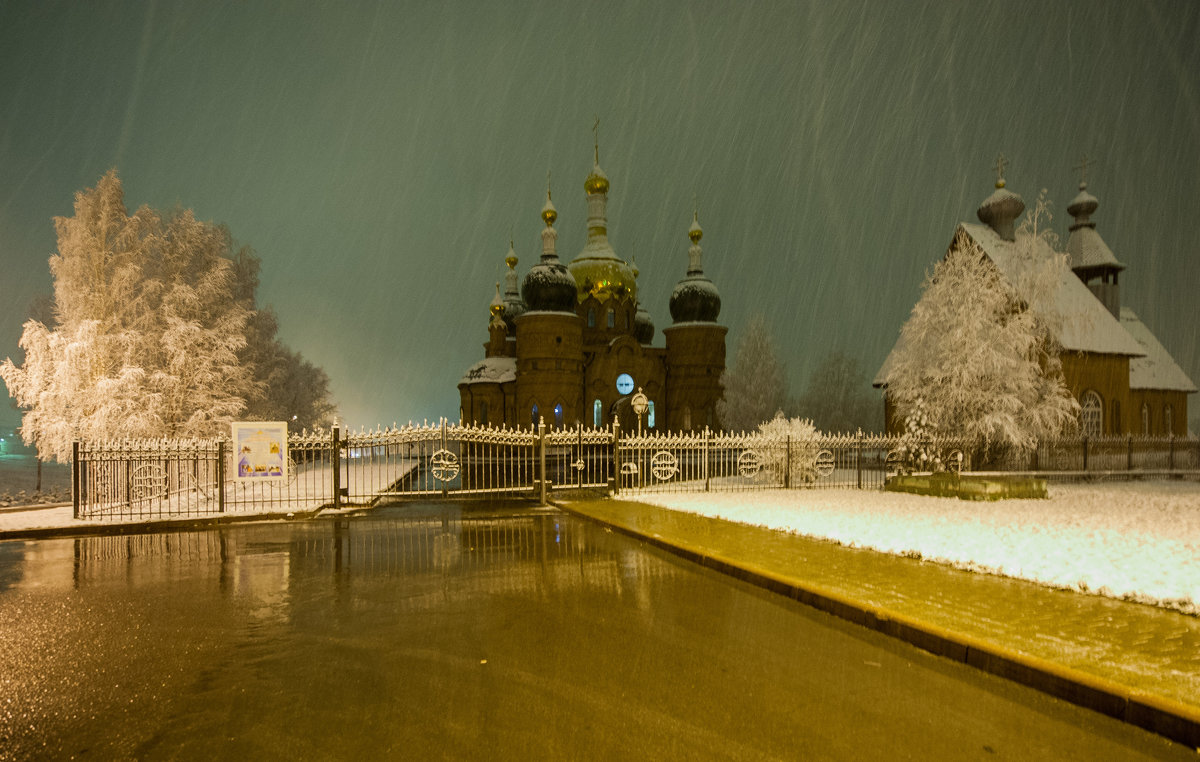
{"x":1124,"y":380}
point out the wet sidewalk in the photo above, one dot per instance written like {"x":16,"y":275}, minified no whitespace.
{"x":1115,"y":653}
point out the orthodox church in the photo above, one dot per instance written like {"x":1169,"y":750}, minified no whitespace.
{"x":1124,"y":380}
{"x":574,"y":345}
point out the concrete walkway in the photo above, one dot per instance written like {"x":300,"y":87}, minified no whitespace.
{"x":1130,"y":661}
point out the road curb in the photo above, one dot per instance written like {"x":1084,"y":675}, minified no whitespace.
{"x":1162,"y":716}
{"x":160,"y":525}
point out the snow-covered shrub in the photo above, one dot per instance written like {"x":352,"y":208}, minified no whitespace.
{"x":794,"y":441}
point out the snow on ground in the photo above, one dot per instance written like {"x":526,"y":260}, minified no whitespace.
{"x":1133,"y":540}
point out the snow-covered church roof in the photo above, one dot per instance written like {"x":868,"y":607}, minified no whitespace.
{"x":1087,"y":326}
{"x":491,"y":370}
{"x":1157,"y":370}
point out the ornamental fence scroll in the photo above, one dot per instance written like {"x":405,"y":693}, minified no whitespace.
{"x":149,"y":479}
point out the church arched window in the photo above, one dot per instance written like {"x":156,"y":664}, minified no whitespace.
{"x":597,"y":414}
{"x":483,"y":418}
{"x":1091,"y":417}
{"x":534,"y":414}
{"x":612,"y":319}
{"x":1145,"y":419}
{"x":558,"y":415}
{"x":650,"y":413}
{"x":591,"y":317}
{"x":1168,"y":419}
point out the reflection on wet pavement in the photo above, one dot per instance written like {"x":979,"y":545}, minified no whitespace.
{"x":449,"y":631}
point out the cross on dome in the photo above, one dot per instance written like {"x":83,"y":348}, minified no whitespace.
{"x":999,"y":166}
{"x":1082,"y":166}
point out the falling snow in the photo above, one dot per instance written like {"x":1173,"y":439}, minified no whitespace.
{"x":377,"y":157}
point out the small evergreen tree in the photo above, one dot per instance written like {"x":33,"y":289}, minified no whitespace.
{"x":837,"y":396}
{"x":755,"y":386}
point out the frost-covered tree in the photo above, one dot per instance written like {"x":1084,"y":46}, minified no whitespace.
{"x":837,"y":397}
{"x":148,"y":331}
{"x":978,"y":357}
{"x":756,"y":384}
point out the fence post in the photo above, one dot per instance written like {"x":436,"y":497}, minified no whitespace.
{"x":616,"y":456}
{"x":542,"y":460}
{"x":1171,"y":451}
{"x":445,"y":489}
{"x":579,"y":471}
{"x":706,"y":483}
{"x":787,"y":463}
{"x":220,"y":476}
{"x":336,"y":456}
{"x":75,"y":468}
{"x":858,"y":457}
{"x":1129,"y":452}
{"x":1085,"y":451}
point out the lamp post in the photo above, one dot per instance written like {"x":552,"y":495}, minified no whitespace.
{"x":639,"y":403}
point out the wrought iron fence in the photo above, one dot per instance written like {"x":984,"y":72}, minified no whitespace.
{"x":160,"y":478}
{"x":727,"y":462}
{"x":1114,"y":454}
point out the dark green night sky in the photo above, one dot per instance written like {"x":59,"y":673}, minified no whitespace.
{"x":376,"y":156}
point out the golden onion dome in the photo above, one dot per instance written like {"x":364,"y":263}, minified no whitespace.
{"x":497,"y":305}
{"x":597,"y":181}
{"x":511,"y":260}
{"x":694,"y":232}
{"x":603,"y":277}
{"x":549,"y":213}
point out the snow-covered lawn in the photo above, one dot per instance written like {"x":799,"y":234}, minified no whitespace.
{"x":1134,"y":540}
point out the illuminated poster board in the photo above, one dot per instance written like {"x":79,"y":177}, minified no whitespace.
{"x":260,"y":451}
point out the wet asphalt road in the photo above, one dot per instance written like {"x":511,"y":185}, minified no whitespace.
{"x":465,"y":632}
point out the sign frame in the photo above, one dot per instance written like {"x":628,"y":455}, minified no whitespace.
{"x":260,"y":451}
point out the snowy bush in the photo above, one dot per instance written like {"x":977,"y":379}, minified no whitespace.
{"x":796,"y":436}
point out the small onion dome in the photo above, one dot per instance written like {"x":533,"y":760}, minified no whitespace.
{"x":497,"y":310}
{"x":643,"y":326}
{"x":513,"y":306}
{"x":999,"y":210}
{"x":1083,"y":206}
{"x":548,"y":286}
{"x":695,"y":298}
{"x":597,"y":181}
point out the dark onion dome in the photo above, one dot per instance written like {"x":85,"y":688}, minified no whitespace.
{"x":1086,"y":250}
{"x":999,"y":210}
{"x":513,"y":306}
{"x":548,"y":286}
{"x":695,"y":298}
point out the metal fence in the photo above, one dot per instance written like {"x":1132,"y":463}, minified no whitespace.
{"x":726,"y":462}
{"x":160,"y":478}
